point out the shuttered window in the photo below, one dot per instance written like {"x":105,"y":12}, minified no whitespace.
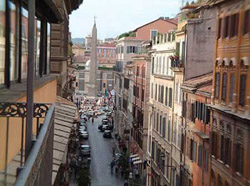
{"x":200,"y":155}
{"x":242,"y":89}
{"x":238,"y":158}
{"x":225,"y":27}
{"x":219,"y":28}
{"x":159,"y":94}
{"x":217,"y":84}
{"x":222,"y":150}
{"x":206,"y":160}
{"x":160,"y":128}
{"x":162,"y":93}
{"x":169,"y":129}
{"x":155,"y":92}
{"x":166,"y":96}
{"x":231,"y":87}
{"x":153,"y":64}
{"x":170,"y":98}
{"x":224,"y":86}
{"x":234,"y":21}
{"x":157,"y":123}
{"x":246,"y":24}
{"x":228,"y":151}
{"x":152,"y":90}
{"x":164,"y":128}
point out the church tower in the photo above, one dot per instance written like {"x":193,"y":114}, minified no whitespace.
{"x":92,"y":86}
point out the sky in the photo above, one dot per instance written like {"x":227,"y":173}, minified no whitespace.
{"x":115,"y":17}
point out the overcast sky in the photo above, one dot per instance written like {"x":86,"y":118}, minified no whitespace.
{"x":115,"y":17}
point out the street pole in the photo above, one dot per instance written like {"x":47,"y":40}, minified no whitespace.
{"x":30,"y":77}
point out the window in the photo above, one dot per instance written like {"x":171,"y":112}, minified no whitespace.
{"x":160,"y":65}
{"x":169,"y":129}
{"x":234,"y":21}
{"x":194,"y":150}
{"x":162,"y":93}
{"x":137,"y":71}
{"x":126,"y":83}
{"x":142,"y":95}
{"x":242,"y":89}
{"x":170,"y":98}
{"x":152,"y":90}
{"x":217,"y":84}
{"x":206,"y":160}
{"x":246,"y":24}
{"x":225,"y":27}
{"x":164,"y":128}
{"x":166,"y":96}
{"x":155,"y":92}
{"x":160,"y":128}
{"x":153,"y":34}
{"x":174,"y":131}
{"x":159,"y":93}
{"x":228,"y":151}
{"x":219,"y":29}
{"x":153,"y":64}
{"x":214,"y":144}
{"x":239,"y":158}
{"x":132,"y":49}
{"x":224,"y":86}
{"x":231,"y":87}
{"x":222,"y":150}
{"x":200,"y":156}
{"x":157,"y":122}
{"x":163,"y":65}
{"x":153,"y":150}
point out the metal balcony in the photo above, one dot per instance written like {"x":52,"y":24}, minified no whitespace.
{"x":36,"y":168}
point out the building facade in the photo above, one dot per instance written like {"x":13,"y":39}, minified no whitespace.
{"x":230,"y":95}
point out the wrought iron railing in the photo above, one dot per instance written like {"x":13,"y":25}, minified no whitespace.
{"x":13,"y":118}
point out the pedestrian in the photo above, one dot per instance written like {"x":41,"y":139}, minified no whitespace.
{"x":112,"y":164}
{"x":116,"y":170}
{"x":126,"y":183}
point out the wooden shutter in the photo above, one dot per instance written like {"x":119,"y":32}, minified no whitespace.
{"x":219,"y":28}
{"x":242,"y":89}
{"x":236,"y":24}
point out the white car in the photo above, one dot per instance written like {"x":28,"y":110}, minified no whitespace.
{"x":84,"y":134}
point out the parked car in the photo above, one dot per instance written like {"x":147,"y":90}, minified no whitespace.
{"x":104,"y":127}
{"x":108,"y":114}
{"x":100,"y":127}
{"x":105,"y":122}
{"x":84,"y":134}
{"x":85,"y":150}
{"x":107,"y":134}
{"x":83,"y":128}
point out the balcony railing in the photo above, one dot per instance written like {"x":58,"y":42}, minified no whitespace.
{"x":36,"y":168}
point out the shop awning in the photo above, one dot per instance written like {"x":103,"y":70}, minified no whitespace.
{"x":136,"y":158}
{"x":64,"y":117}
{"x":137,"y":162}
{"x":134,"y":155}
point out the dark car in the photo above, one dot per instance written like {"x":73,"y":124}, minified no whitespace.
{"x":107,"y":134}
{"x":100,"y":127}
{"x":84,"y":150}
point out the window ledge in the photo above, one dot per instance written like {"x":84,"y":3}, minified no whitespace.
{"x":18,"y":90}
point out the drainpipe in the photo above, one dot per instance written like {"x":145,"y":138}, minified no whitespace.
{"x":30,"y":78}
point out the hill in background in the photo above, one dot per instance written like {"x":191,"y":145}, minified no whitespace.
{"x":78,"y":41}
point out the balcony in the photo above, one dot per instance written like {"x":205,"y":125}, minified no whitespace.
{"x":15,"y":167}
{"x":176,"y":62}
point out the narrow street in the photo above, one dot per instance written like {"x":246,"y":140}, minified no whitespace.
{"x":101,"y":156}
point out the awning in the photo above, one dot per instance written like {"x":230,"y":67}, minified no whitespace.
{"x":234,"y":61}
{"x":219,"y":60}
{"x":137,"y":162}
{"x":226,"y":61}
{"x":136,"y":158}
{"x":134,"y":155}
{"x":245,"y":61}
{"x":64,"y":117}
